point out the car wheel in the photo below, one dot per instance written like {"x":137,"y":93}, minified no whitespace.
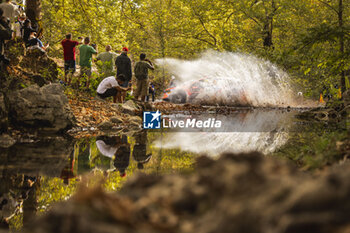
{"x":179,"y":98}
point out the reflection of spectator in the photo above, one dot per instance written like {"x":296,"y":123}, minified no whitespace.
{"x":116,"y":148}
{"x":122,"y":158}
{"x":109,"y":145}
{"x":140,"y":150}
{"x":68,"y":171}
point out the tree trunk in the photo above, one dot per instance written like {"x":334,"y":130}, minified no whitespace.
{"x":268,"y":33}
{"x":33,"y":11}
{"x":341,"y":42}
{"x":268,"y":26}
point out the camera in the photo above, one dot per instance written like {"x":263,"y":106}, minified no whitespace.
{"x":94,"y":46}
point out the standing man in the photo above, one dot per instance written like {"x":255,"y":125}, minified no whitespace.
{"x":141,"y":74}
{"x":108,"y":59}
{"x":86,"y":52}
{"x":10,"y":11}
{"x":3,"y":36}
{"x":69,"y":57}
{"x":19,"y":24}
{"x":123,"y":64}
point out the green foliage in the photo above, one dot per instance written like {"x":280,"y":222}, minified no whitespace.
{"x":313,"y":150}
{"x":305,"y":35}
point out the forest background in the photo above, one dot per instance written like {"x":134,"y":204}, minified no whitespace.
{"x":310,"y":39}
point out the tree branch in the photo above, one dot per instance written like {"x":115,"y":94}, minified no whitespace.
{"x":329,"y":6}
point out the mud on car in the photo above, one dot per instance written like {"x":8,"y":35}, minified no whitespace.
{"x":186,"y":93}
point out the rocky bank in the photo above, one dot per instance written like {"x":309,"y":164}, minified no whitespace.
{"x":236,"y":193}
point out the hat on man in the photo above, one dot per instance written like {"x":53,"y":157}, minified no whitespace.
{"x":125,"y":49}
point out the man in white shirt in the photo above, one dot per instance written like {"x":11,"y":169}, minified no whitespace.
{"x":10,"y":11}
{"x":112,"y":87}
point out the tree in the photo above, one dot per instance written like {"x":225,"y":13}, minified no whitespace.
{"x":33,"y":11}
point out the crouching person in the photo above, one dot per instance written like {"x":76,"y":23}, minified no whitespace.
{"x":111,"y":86}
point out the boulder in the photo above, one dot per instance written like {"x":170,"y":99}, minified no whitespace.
{"x":346,"y":97}
{"x":130,"y":108}
{"x":15,"y":52}
{"x":36,"y":61}
{"x":235,"y":193}
{"x":106,"y":125}
{"x":116,"y":119}
{"x":6,"y":141}
{"x":45,"y":108}
{"x":135,"y":121}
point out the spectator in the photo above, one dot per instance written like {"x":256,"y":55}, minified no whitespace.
{"x":10,"y":11}
{"x":69,"y":57}
{"x":27,"y":30}
{"x":34,"y":42}
{"x":86,"y":52}
{"x":123,"y":64}
{"x":111,"y":87}
{"x":108,"y":59}
{"x":19,"y":26}
{"x":4,"y":35}
{"x":141,"y":74}
{"x":151,"y":91}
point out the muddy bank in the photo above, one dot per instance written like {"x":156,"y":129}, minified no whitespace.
{"x":236,"y":193}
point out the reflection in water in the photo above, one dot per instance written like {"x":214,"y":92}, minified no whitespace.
{"x":118,"y":149}
{"x":35,"y":175}
{"x":244,"y":131}
{"x":139,"y":153}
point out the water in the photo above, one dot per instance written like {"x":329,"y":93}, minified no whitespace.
{"x":233,"y":79}
{"x":33,"y":176}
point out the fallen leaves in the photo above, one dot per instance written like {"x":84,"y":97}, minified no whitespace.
{"x":90,"y":112}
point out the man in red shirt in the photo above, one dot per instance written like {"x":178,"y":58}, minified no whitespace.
{"x":69,"y":57}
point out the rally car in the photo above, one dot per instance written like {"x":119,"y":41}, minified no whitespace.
{"x":207,"y":91}
{"x":184,"y":93}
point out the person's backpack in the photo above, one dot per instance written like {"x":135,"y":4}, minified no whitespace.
{"x":140,"y":72}
{"x":5,"y":33}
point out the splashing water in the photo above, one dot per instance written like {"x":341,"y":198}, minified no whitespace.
{"x":263,"y":131}
{"x":232,"y":79}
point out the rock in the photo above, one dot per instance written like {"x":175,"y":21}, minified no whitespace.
{"x":236,"y":193}
{"x":116,"y":119}
{"x":135,"y":121}
{"x":6,"y":141}
{"x":346,"y":97}
{"x":130,"y":108}
{"x":38,"y":62}
{"x":3,"y":114}
{"x":106,"y":125}
{"x":45,"y":108}
{"x":15,"y":52}
{"x":47,"y":157}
